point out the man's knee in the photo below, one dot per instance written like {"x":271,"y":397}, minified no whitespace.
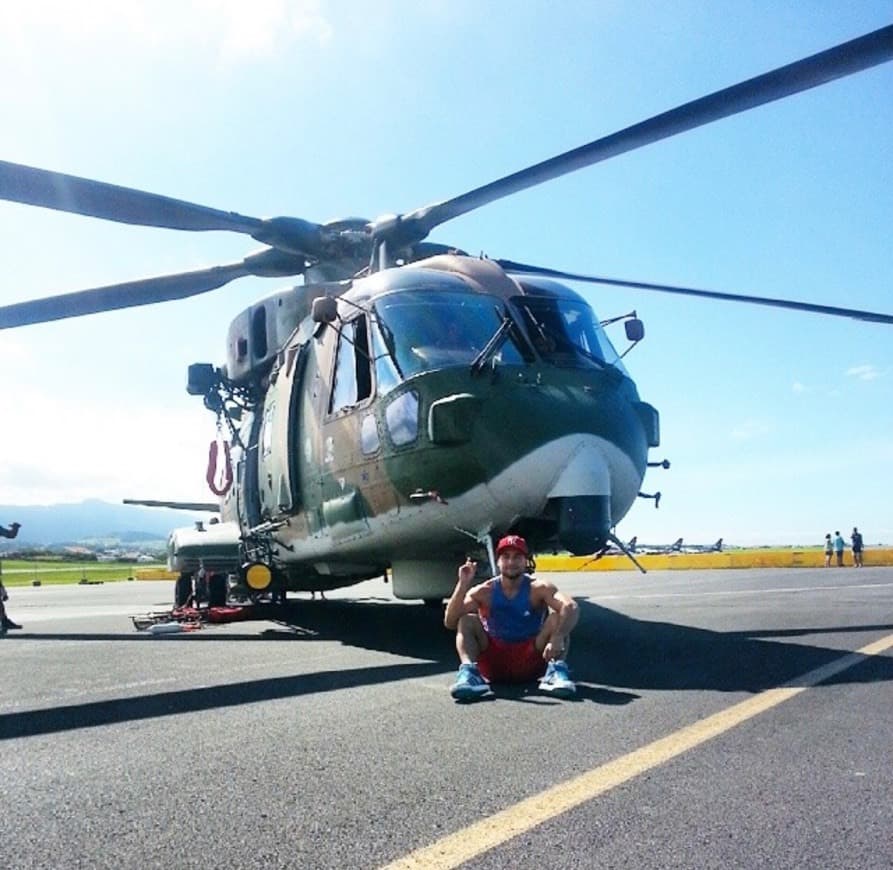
{"x":470,"y":634}
{"x":470,"y":622}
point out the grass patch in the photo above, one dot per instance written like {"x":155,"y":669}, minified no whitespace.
{"x":18,"y":572}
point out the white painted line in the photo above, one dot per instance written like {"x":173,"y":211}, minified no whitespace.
{"x":722,"y":593}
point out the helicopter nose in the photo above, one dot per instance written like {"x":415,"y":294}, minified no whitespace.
{"x":584,"y":495}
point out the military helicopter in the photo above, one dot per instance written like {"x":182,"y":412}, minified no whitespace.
{"x":407,"y":403}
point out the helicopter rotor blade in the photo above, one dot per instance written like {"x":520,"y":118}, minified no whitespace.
{"x":69,"y":193}
{"x":55,"y":190}
{"x":810,"y":72}
{"x":145,"y":291}
{"x":795,"y":305}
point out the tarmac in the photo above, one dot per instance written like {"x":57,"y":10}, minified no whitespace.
{"x":722,"y":719}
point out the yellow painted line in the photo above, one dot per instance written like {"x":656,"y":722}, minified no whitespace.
{"x":468,"y":843}
{"x":747,"y":558}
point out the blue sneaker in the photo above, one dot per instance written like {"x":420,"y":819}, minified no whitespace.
{"x":557,"y":680}
{"x":469,"y":685}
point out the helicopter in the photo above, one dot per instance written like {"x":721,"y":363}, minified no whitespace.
{"x":408,"y":403}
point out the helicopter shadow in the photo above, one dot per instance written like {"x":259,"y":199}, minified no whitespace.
{"x":613,"y":656}
{"x":413,"y":631}
{"x":610,"y":651}
{"x":614,"y":649}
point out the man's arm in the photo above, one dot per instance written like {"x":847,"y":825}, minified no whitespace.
{"x":462,"y":600}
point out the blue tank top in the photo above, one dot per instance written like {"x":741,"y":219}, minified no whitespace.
{"x":513,"y":619}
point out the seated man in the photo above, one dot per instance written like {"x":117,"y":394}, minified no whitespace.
{"x":511,"y":628}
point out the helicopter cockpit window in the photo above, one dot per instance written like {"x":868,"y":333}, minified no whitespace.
{"x":421,"y":330}
{"x":353,"y":370}
{"x":566,"y":333}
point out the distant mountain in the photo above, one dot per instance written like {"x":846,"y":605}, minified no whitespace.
{"x":45,"y":525}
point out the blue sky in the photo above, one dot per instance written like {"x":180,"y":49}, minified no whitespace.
{"x":779,"y":425}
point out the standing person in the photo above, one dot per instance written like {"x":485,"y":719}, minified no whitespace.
{"x":512,"y":628}
{"x":838,"y":549}
{"x":829,"y":549}
{"x":5,"y":622}
{"x":856,"y":538}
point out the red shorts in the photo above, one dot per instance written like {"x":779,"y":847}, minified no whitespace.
{"x":507,"y":662}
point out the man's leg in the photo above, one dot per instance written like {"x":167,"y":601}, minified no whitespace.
{"x":546,"y":632}
{"x":471,"y":641}
{"x":5,"y":621}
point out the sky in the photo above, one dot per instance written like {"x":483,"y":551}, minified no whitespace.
{"x":778,"y":425}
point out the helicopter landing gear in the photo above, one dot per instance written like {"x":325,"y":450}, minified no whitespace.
{"x":183,"y":589}
{"x":217,"y":589}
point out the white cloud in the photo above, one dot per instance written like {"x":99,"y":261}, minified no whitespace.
{"x":263,"y":27}
{"x":750,"y":429}
{"x":66,"y":450}
{"x":231,"y":30}
{"x":866,"y":372}
{"x":798,"y":387}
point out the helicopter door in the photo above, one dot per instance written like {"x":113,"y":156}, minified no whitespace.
{"x":246,"y":472}
{"x":278,"y":481}
{"x":349,"y":436}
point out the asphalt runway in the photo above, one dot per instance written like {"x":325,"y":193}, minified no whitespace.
{"x":724,"y":718}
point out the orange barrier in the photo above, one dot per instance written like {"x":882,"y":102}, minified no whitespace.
{"x":154,"y":574}
{"x":789,"y":557}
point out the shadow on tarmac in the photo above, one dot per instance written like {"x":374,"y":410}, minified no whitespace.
{"x":613,"y":649}
{"x":620,"y":654}
{"x":65,"y":718}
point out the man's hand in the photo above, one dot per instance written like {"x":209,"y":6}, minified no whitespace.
{"x":456,"y":605}
{"x":554,"y":648}
{"x":468,"y":571}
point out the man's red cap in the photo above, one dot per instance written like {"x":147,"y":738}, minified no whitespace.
{"x":512,"y":542}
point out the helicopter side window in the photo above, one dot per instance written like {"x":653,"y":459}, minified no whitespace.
{"x":425,"y":330}
{"x":387,"y":373}
{"x":353,"y":371}
{"x":369,"y":440}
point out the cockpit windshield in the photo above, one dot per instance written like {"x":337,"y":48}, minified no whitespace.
{"x":566,"y":333}
{"x":421,"y":330}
